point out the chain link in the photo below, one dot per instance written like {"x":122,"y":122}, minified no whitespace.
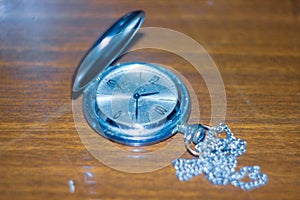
{"x":218,"y":161}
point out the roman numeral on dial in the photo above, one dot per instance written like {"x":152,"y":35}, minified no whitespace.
{"x":118,"y":114}
{"x":160,"y":110}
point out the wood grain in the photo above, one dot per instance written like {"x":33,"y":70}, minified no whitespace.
{"x":255,"y":44}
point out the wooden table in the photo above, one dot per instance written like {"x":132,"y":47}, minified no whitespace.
{"x":255,"y":44}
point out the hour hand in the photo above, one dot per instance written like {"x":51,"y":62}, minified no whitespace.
{"x":148,"y":94}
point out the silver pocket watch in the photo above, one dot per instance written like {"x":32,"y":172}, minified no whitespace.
{"x":132,"y":103}
{"x":138,"y":104}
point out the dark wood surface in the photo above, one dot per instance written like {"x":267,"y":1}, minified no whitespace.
{"x":255,"y":44}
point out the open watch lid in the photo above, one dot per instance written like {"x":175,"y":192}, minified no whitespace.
{"x":107,"y":48}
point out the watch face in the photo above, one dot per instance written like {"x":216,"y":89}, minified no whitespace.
{"x":136,"y":103}
{"x":136,"y":96}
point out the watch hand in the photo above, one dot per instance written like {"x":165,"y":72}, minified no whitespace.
{"x":136,"y":96}
{"x":148,"y":94}
{"x":136,"y":108}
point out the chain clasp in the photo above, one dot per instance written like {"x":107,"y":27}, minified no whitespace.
{"x":193,"y":134}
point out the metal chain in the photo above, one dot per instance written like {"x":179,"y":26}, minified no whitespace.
{"x":218,"y":160}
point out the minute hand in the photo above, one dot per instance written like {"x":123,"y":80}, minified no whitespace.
{"x":148,"y":94}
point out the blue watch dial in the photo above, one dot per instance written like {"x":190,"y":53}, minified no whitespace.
{"x":136,"y":96}
{"x":137,"y":103}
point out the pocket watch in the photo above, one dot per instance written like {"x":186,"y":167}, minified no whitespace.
{"x":134,"y":103}
{"x":138,"y":104}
